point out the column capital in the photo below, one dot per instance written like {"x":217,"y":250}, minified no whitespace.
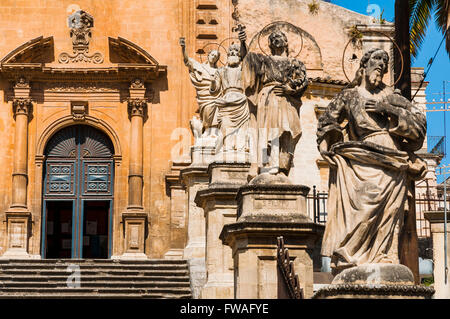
{"x":137,"y":107}
{"x":22,"y":106}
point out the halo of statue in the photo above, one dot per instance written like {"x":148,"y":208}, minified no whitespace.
{"x":218,"y":47}
{"x":283,"y":26}
{"x":395,"y":45}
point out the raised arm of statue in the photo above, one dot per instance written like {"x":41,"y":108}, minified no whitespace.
{"x":186,"y":59}
{"x":243,"y":38}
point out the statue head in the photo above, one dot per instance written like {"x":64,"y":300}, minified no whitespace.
{"x":234,"y":55}
{"x":278,"y":43}
{"x":213,"y":57}
{"x":373,"y":66}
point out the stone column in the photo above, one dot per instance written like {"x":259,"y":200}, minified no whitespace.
{"x":218,"y":201}
{"x":134,"y":219}
{"x":270,"y":207}
{"x":436,"y":219}
{"x":18,"y":217}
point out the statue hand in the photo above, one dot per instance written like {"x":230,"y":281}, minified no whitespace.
{"x":182,"y":42}
{"x":242,"y":36}
{"x":283,"y":90}
{"x":398,"y":100}
{"x":376,"y":106}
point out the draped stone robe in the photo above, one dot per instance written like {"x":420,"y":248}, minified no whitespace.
{"x":372,"y":162}
{"x":232,"y":108}
{"x":201,"y":76}
{"x":277,"y":115}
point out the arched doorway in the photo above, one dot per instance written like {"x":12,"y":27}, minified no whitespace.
{"x":78,"y":194}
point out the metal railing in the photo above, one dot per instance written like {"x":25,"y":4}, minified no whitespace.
{"x":317,"y":208}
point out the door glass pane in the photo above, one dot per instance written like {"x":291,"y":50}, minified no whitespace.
{"x":95,"y":229}
{"x":59,"y":229}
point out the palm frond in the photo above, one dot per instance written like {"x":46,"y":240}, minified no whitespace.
{"x":421,"y":11}
{"x":443,"y":20}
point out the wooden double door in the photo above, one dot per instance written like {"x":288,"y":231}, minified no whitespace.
{"x":78,"y":194}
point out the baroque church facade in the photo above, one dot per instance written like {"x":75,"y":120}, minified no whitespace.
{"x":95,"y":104}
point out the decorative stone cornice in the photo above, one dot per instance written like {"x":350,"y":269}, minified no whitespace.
{"x":22,"y":106}
{"x":137,"y":107}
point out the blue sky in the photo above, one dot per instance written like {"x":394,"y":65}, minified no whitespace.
{"x":439,"y":72}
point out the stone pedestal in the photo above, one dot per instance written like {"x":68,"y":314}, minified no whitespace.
{"x":436,"y":219}
{"x":375,"y":281}
{"x":203,"y":154}
{"x":194,"y":178}
{"x":267,"y":208}
{"x":178,"y":211}
{"x":135,"y":231}
{"x":18,"y":228}
{"x":219,"y":205}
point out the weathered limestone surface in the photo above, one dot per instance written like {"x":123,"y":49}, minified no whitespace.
{"x":219,"y":205}
{"x":270,"y":207}
{"x":436,"y":219}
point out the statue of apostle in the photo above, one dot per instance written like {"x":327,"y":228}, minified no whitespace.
{"x":274,"y":85}
{"x":232,"y":106}
{"x":201,"y":75}
{"x":372,"y":165}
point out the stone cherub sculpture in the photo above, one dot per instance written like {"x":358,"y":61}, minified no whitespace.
{"x":232,"y":106}
{"x":274,"y":85}
{"x":371,"y":166}
{"x":201,"y":75}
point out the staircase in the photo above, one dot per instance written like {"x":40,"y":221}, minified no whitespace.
{"x":48,"y":278}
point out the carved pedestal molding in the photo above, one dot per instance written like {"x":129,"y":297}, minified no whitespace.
{"x":134,"y":219}
{"x":18,"y":217}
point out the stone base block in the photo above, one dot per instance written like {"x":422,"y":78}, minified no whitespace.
{"x":228,"y":173}
{"x":203,"y":154}
{"x":218,"y":290}
{"x":375,"y":281}
{"x":197,"y":272}
{"x":174,"y":254}
{"x":18,"y":228}
{"x":254,"y":246}
{"x":131,"y":256}
{"x":195,"y":250}
{"x":18,"y":254}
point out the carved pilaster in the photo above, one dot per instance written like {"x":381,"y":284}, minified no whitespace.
{"x":137,"y":107}
{"x":18,"y":217}
{"x":22,"y":106}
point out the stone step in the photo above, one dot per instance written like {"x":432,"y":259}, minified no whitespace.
{"x":93,"y":292}
{"x":93,"y":261}
{"x":98,"y":279}
{"x":122,"y":272}
{"x":39,"y":278}
{"x":97,"y":296}
{"x":88,"y":267}
{"x":94,"y":284}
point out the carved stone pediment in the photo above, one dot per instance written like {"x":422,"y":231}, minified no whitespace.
{"x":37,"y":50}
{"x":123,"y":51}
